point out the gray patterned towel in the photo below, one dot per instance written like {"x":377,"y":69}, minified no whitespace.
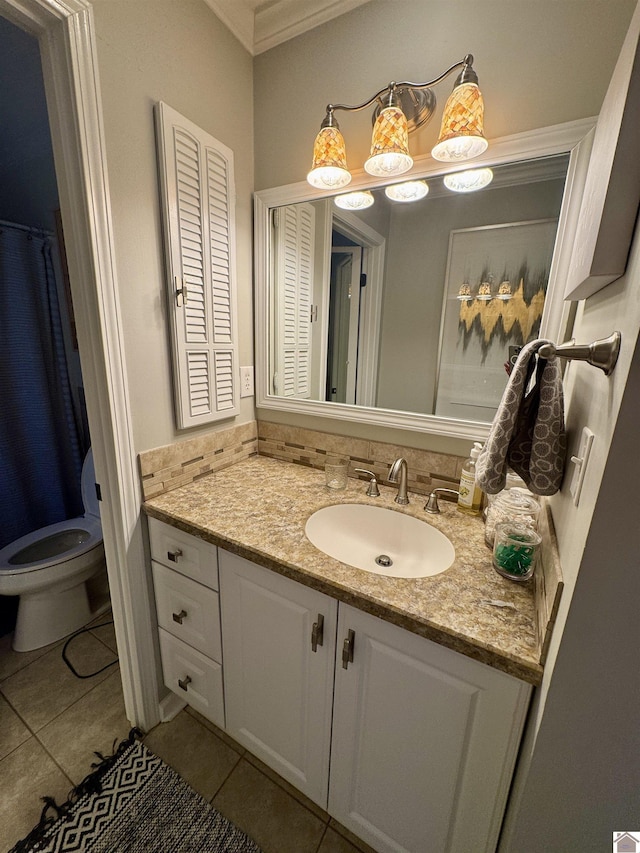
{"x":527,"y":433}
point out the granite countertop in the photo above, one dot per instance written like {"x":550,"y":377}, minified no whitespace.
{"x":258,"y":509}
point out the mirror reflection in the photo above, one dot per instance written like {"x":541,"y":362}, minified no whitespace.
{"x":418,"y":306}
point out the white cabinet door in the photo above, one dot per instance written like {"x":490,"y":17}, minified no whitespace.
{"x":424,"y":741}
{"x":278,"y":691}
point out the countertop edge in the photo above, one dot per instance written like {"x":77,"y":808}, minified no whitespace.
{"x":526,"y":671}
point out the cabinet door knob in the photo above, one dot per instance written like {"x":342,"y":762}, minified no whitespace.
{"x":347,"y":649}
{"x":178,"y":617}
{"x":173,"y":555}
{"x":317,"y":633}
{"x":183,"y":683}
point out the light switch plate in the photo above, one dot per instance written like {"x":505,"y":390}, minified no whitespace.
{"x":580,"y":461}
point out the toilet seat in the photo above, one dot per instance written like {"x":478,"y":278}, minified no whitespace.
{"x":90,"y":537}
{"x":79,"y":542}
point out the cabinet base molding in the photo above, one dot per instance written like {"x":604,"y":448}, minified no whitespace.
{"x":170,"y":707}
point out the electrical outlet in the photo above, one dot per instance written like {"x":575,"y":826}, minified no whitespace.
{"x":246,"y":381}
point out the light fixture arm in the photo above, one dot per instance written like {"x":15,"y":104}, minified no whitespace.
{"x":467,"y":75}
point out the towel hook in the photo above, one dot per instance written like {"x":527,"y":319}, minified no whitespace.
{"x":602,"y":353}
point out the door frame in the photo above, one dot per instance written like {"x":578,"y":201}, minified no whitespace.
{"x":66,"y":34}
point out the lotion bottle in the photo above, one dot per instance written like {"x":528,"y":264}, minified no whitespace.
{"x":470,"y":499}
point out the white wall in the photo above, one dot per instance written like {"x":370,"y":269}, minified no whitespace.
{"x":179,"y":53}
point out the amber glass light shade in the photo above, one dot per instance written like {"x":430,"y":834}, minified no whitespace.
{"x":389,"y":144}
{"x":462,"y":131}
{"x":329,"y":169}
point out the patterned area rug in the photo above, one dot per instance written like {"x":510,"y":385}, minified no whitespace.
{"x":134,"y":802}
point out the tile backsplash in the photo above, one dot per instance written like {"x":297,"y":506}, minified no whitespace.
{"x":166,"y":468}
{"x":174,"y":465}
{"x":427,"y":470}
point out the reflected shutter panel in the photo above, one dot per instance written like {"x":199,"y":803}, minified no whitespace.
{"x":196,"y":173}
{"x":294,"y":232}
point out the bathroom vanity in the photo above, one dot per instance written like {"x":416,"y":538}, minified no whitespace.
{"x":395,"y":704}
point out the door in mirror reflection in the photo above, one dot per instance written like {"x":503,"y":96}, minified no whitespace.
{"x":344,"y":324}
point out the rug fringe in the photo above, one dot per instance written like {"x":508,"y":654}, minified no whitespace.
{"x":91,"y":784}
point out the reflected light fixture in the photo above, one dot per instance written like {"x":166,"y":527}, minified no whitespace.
{"x":399,"y":109}
{"x":504,"y":291}
{"x":407,"y":191}
{"x":354,"y":201}
{"x":484,"y":292}
{"x":464,"y":293}
{"x":468,"y":181}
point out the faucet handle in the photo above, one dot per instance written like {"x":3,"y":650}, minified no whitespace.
{"x":373,"y":491}
{"x":432,"y":503}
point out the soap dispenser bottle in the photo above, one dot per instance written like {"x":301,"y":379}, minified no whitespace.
{"x":470,"y":498}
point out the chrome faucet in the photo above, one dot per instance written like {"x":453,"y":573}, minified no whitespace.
{"x":399,"y":468}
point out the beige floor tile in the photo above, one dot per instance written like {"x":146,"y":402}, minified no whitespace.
{"x":95,"y":723}
{"x":47,"y":687}
{"x":13,"y":731}
{"x":218,"y":732}
{"x":200,"y":757}
{"x":333,"y":842}
{"x":11,"y":661}
{"x":356,"y":842}
{"x":103,"y":629}
{"x":25,"y":776}
{"x":300,"y":797}
{"x":262,"y":809}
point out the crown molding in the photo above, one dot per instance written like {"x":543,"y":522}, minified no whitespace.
{"x":259,"y":25}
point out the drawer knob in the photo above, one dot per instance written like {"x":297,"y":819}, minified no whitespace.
{"x":173,"y":555}
{"x":178,"y":617}
{"x":183,"y":683}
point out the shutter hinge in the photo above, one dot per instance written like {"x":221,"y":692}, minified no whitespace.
{"x":98,"y":491}
{"x":181,"y":292}
{"x":363,"y":280}
{"x":314,"y":314}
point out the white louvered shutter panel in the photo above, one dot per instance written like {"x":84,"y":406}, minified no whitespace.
{"x":294,"y":235}
{"x":196,"y":173}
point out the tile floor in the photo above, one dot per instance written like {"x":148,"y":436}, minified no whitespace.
{"x":52,"y":722}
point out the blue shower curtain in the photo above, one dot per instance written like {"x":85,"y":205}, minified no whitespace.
{"x":40,"y":450}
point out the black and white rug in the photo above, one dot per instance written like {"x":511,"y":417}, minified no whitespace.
{"x":134,"y":802}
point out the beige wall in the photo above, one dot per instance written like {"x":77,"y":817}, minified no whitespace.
{"x":152,"y":50}
{"x":416,"y":267}
{"x":539,"y":64}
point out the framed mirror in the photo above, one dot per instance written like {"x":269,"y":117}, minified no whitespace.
{"x":409,"y":314}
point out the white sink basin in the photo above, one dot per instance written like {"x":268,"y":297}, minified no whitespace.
{"x":368,"y":537}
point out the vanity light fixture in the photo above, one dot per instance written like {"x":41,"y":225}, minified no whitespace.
{"x":464,"y":294}
{"x":468,"y":181}
{"x":407,"y":191}
{"x":401,"y":108}
{"x":354,"y":201}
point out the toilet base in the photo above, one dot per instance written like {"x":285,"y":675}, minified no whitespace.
{"x":44,"y":617}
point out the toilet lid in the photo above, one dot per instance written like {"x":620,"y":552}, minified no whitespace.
{"x":89,"y":497}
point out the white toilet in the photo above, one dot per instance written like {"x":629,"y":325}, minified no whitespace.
{"x":48,"y":569}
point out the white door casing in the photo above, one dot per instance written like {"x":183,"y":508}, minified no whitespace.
{"x":66,"y":34}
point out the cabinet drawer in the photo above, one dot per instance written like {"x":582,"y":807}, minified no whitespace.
{"x":193,"y":676}
{"x":188,"y":610}
{"x":185,"y":553}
